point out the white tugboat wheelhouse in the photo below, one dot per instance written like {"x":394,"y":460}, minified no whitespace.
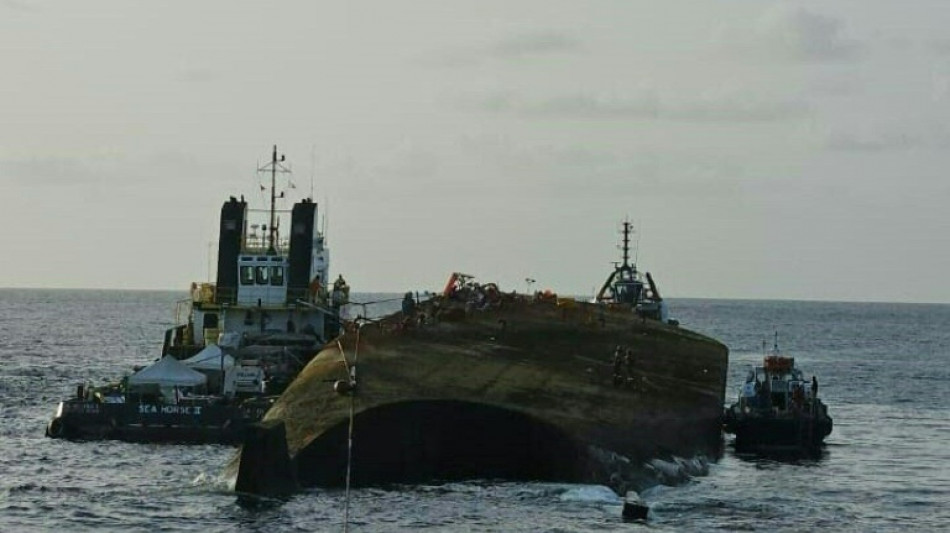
{"x":267,"y":283}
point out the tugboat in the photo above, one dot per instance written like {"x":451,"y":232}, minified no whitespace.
{"x":239,"y":342}
{"x":626,"y":287}
{"x":778,"y":410}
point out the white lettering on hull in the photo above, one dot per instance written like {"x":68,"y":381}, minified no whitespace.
{"x":149,"y":409}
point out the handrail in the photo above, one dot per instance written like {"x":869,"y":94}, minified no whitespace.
{"x":254,"y":244}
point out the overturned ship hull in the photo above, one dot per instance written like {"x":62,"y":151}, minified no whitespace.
{"x":524,"y":389}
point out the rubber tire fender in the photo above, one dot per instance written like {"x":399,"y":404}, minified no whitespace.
{"x":56,"y":428}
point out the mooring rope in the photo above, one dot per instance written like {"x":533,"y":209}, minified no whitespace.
{"x":346,"y":365}
{"x":351,"y":378}
{"x":375,"y":302}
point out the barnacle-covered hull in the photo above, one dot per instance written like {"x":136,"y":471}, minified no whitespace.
{"x":517,"y":387}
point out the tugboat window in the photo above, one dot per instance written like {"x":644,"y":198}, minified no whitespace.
{"x":247,"y":275}
{"x":262,"y":275}
{"x":276,"y":275}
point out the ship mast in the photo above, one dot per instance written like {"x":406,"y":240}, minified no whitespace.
{"x":273,"y":198}
{"x":626,"y":243}
{"x":274,"y":166}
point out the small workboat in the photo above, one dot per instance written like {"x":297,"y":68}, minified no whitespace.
{"x":778,"y":410}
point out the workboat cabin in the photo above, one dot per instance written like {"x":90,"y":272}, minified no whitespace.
{"x":239,"y":340}
{"x":776,"y":385}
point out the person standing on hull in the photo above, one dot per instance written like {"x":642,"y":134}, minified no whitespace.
{"x":618,"y":366}
{"x":408,"y":304}
{"x":339,"y":296}
{"x":341,"y":292}
{"x":628,"y":361}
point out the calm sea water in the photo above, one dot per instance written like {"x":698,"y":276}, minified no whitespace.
{"x":884,"y":370}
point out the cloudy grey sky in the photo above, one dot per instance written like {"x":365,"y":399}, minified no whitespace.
{"x":766,"y":149}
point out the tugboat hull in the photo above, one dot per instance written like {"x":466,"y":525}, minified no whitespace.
{"x":146,"y":422}
{"x":764,"y":434}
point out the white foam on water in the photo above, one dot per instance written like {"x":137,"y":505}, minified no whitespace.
{"x":678,"y":470}
{"x":590,"y":494}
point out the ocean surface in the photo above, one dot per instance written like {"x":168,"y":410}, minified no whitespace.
{"x":884,"y":370}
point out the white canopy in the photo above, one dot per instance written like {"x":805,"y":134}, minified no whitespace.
{"x":210,"y":358}
{"x":168,"y":372}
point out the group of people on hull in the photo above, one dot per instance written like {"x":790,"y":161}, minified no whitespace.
{"x":624,"y":362}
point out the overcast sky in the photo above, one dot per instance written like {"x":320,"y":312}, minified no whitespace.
{"x":794,"y":150}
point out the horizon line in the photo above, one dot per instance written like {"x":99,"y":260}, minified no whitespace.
{"x":575,"y":296}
